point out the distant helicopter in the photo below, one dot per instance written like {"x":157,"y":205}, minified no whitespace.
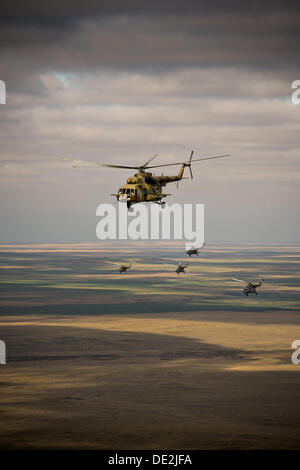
{"x":145,"y":186}
{"x":123,"y":269}
{"x":250,"y":287}
{"x":195,"y":251}
{"x":181,"y":268}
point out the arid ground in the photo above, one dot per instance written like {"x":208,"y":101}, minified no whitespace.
{"x":148,"y":360}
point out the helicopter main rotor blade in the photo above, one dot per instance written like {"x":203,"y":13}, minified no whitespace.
{"x":188,"y":163}
{"x":211,"y":158}
{"x":119,"y":166}
{"x":152,"y":158}
{"x":238,"y":280}
{"x":84,"y":163}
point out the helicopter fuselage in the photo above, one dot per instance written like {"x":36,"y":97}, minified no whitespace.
{"x":181,"y":268}
{"x":123,"y":269}
{"x":192,"y":252}
{"x":145,"y":187}
{"x":251,"y":288}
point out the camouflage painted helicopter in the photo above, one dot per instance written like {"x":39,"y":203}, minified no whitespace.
{"x":250,"y":286}
{"x":194,"y":251}
{"x":181,"y":268}
{"x":123,"y":268}
{"x":145,"y":186}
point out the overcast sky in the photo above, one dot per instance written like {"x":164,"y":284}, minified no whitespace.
{"x":119,"y":81}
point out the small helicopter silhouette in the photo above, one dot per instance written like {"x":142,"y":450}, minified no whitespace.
{"x":250,"y":286}
{"x":195,"y":251}
{"x":181,"y":268}
{"x":145,"y":186}
{"x":123,"y":269}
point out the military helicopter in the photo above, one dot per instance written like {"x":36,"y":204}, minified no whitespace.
{"x":145,"y":186}
{"x":194,"y":251}
{"x":250,"y":287}
{"x":123,"y":269}
{"x":181,"y":268}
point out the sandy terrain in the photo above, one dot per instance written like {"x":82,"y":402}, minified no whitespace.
{"x":192,"y":380}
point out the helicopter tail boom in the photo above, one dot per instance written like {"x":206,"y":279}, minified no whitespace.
{"x":180,"y":174}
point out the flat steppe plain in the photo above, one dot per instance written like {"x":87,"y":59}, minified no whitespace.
{"x":152,"y":360}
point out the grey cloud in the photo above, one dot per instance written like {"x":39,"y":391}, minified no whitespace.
{"x":107,"y":82}
{"x":152,"y":40}
{"x":63,"y":11}
{"x":125,"y":40}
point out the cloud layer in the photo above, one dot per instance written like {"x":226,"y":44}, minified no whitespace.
{"x":115,"y":83}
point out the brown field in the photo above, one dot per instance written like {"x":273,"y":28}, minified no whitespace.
{"x":151,"y":359}
{"x":191,"y":380}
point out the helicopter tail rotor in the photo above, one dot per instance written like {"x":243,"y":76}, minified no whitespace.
{"x":189,"y":164}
